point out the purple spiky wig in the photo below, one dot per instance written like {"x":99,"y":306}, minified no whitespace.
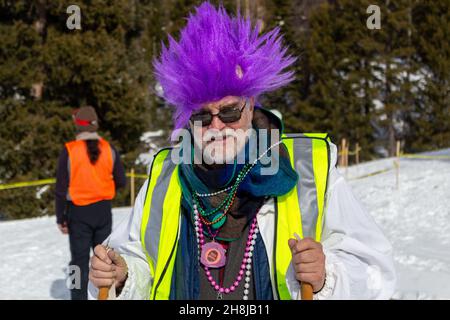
{"x":219,"y":55}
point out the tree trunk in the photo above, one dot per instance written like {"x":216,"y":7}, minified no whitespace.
{"x":40,"y":25}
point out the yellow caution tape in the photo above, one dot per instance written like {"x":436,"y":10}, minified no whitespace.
{"x":26,"y":184}
{"x":419,"y":156}
{"x":35,"y":183}
{"x":137,"y":175}
{"x":144,"y":176}
{"x":371,"y":174}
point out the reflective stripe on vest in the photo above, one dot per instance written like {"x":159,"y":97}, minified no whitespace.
{"x":90,"y":183}
{"x":300,"y":210}
{"x":160,"y":222}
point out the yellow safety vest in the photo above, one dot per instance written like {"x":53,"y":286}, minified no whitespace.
{"x":300,"y":210}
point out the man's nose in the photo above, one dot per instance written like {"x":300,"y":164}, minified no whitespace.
{"x":216,"y":123}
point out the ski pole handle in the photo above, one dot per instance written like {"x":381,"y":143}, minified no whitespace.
{"x":103,"y":293}
{"x":306,"y":291}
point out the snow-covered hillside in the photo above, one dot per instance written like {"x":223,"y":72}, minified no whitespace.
{"x":416,"y":218}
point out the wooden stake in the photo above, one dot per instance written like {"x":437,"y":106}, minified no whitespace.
{"x":357,"y":153}
{"x":347,"y":148}
{"x":346,"y":157}
{"x":342,"y":158}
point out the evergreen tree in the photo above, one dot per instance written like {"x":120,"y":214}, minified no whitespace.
{"x":49,"y":70}
{"x":340,"y":90}
{"x":292,"y":17}
{"x":429,"y":121}
{"x":369,"y":86}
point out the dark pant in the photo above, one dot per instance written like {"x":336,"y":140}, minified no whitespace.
{"x":88,"y":226}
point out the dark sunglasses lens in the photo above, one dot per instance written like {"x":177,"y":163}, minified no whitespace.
{"x":230,"y":115}
{"x":204,"y":117}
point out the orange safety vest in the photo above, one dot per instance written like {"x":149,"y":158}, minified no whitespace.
{"x":89,"y":182}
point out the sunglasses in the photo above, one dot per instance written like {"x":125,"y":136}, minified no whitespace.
{"x":227,"y":114}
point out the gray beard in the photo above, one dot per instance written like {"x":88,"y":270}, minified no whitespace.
{"x":217,"y":153}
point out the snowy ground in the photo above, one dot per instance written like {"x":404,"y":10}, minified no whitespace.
{"x":34,"y":256}
{"x":415,"y":217}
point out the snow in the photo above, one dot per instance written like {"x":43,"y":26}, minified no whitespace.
{"x":415,"y":217}
{"x":149,"y":138}
{"x":41,"y":191}
{"x":149,"y":135}
{"x":34,"y":257}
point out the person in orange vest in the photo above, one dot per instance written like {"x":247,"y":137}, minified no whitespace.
{"x":89,"y":173}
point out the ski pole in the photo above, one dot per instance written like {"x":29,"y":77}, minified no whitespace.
{"x":306,"y":289}
{"x":103,"y":292}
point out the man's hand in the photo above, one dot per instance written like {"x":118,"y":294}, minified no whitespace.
{"x":107,"y":267}
{"x":308,"y":261}
{"x":63,"y":228}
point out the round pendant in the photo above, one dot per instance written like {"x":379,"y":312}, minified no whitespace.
{"x":213,"y":255}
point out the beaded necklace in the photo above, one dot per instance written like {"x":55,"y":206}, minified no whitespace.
{"x":212,"y":254}
{"x":205,"y":195}
{"x":218,"y":219}
{"x":212,"y":257}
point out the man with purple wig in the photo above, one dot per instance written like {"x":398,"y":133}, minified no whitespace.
{"x":238,"y":209}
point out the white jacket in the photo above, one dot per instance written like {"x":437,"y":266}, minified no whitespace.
{"x":359,"y":262}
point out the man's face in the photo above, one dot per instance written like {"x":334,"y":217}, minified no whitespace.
{"x":220,"y":140}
